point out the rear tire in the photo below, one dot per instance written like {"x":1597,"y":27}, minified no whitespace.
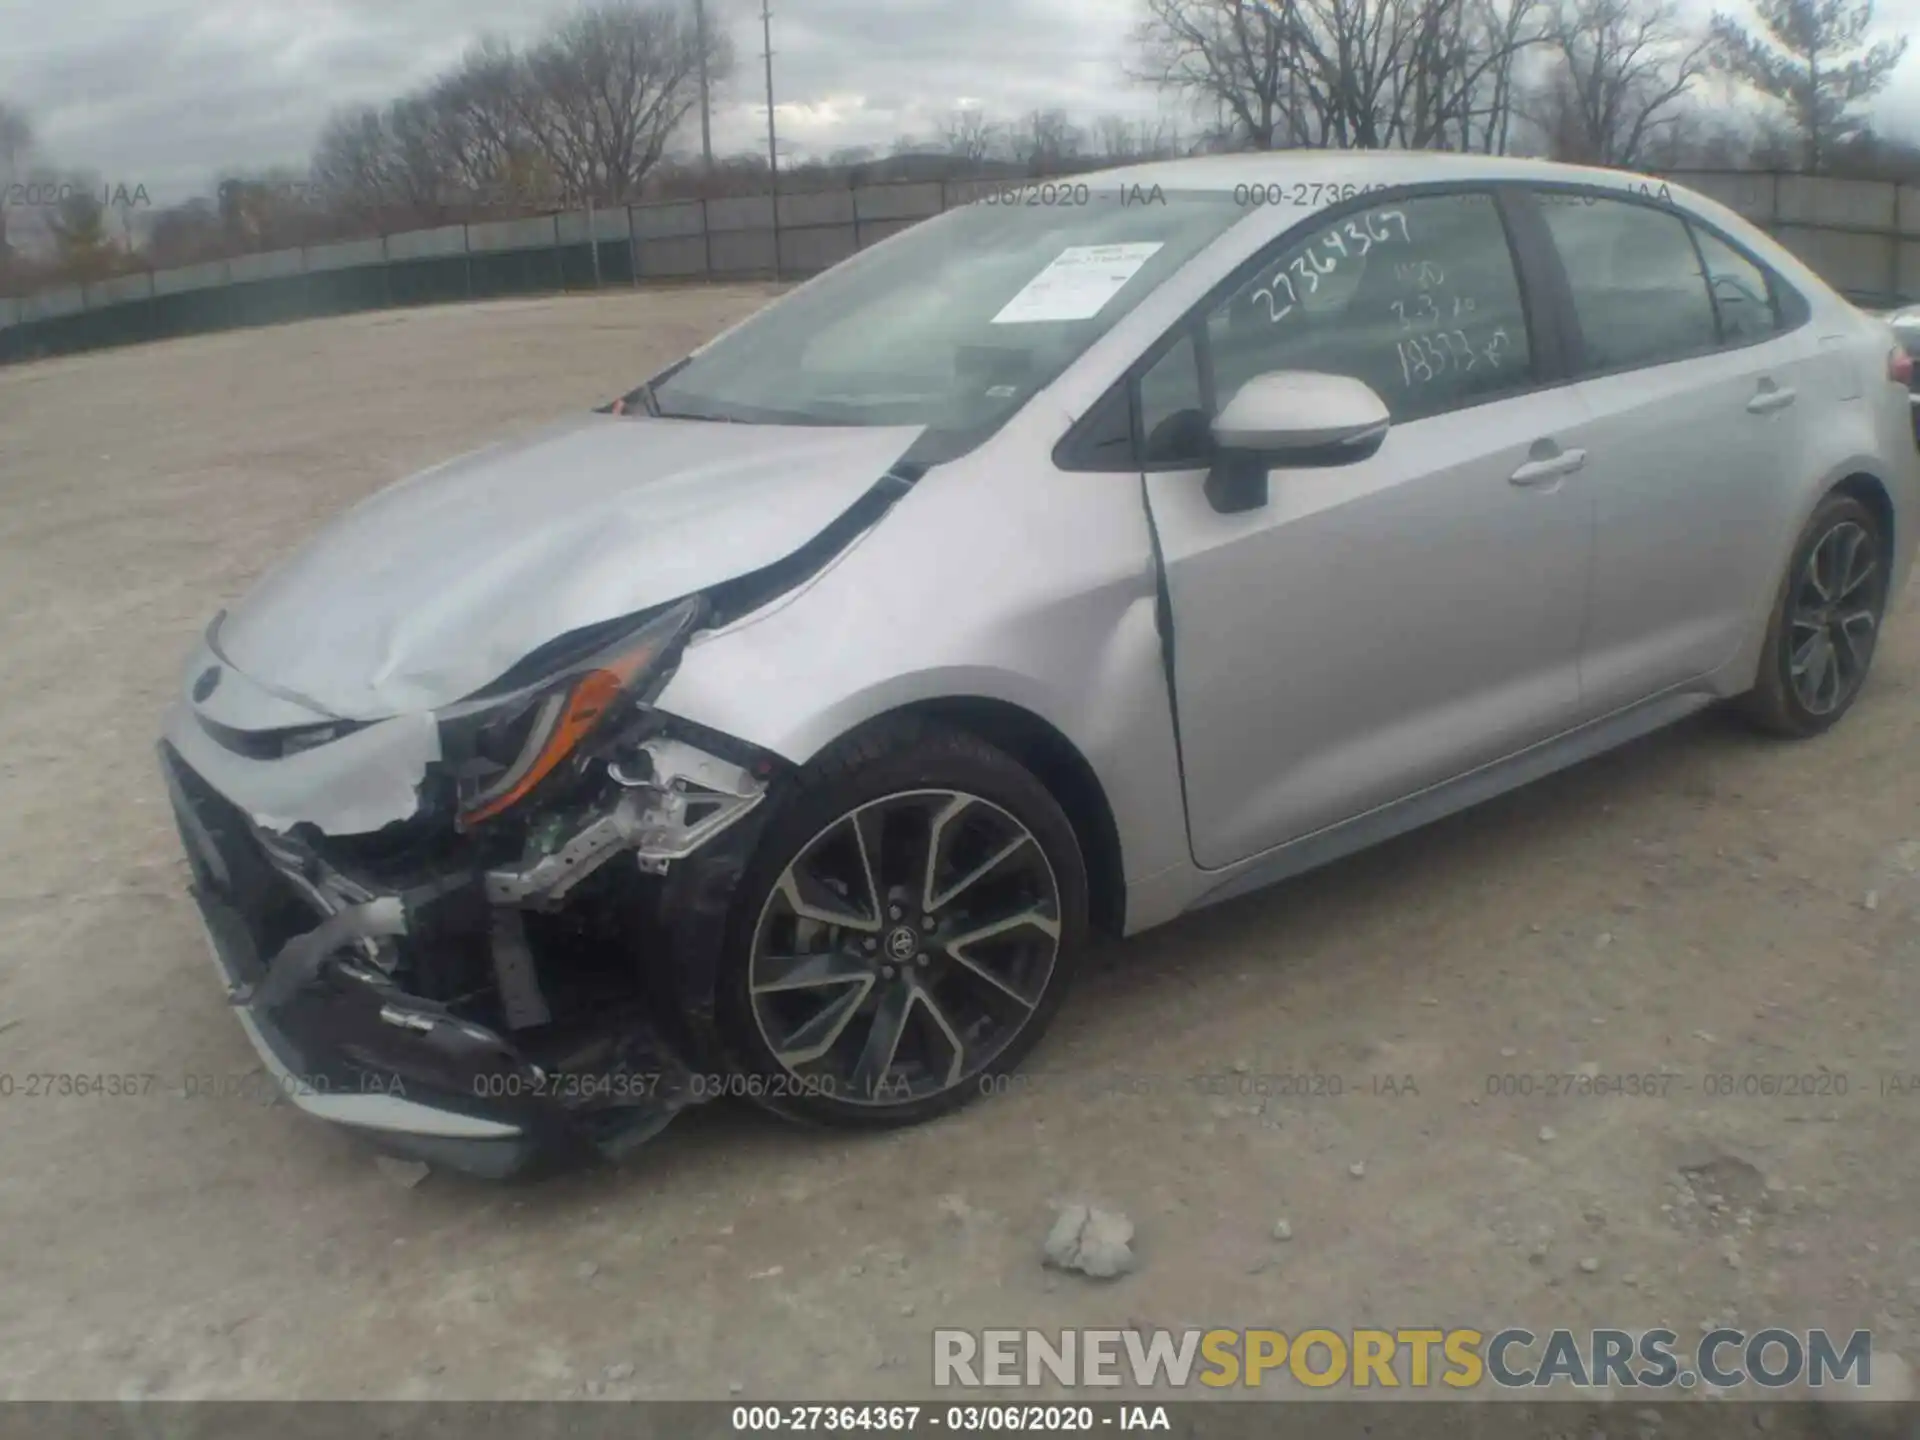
{"x":905,"y":932}
{"x":1825,"y":624}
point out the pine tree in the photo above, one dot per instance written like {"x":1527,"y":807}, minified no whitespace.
{"x":1812,"y":56}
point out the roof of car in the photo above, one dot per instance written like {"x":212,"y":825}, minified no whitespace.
{"x":1337,"y":167}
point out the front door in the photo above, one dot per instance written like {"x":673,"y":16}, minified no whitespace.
{"x":1381,"y":626}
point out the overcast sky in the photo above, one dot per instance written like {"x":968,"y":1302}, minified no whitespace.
{"x":165,"y":93}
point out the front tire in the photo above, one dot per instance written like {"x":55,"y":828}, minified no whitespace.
{"x":1825,"y":623}
{"x":905,"y":932}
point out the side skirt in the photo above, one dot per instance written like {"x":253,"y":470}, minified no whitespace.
{"x":1436,"y":802}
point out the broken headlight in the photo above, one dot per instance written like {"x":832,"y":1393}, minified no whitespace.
{"x":505,"y":743}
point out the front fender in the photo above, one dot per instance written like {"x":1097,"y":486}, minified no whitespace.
{"x":1096,"y":678}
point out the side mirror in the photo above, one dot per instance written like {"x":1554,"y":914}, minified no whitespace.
{"x":1294,"y":418}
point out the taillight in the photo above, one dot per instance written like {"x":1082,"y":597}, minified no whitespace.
{"x":1900,"y":366}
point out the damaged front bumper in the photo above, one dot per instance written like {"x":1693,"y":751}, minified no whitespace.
{"x":472,"y":1008}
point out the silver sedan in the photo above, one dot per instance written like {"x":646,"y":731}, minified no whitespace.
{"x":1089,"y":554}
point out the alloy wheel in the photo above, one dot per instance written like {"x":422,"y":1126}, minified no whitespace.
{"x":905,"y":947}
{"x":1834,"y":618}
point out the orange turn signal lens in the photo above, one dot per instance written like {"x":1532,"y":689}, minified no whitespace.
{"x":569,"y":708}
{"x":585,"y":708}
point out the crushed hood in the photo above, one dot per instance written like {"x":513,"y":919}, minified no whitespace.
{"x":433,"y":587}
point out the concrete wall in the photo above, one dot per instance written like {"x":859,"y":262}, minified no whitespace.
{"x":1859,"y":235}
{"x":539,"y":233}
{"x":190,"y":277}
{"x":119,"y":290}
{"x":1862,"y":236}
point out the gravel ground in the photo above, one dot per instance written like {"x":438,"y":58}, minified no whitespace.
{"x":1705,"y":904}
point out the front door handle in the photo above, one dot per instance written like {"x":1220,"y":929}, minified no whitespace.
{"x":1538,"y":472}
{"x":1769,"y":400}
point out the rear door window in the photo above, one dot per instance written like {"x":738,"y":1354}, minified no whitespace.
{"x":1639,"y":293}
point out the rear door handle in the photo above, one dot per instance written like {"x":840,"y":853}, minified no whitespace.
{"x":1538,"y":472}
{"x":1767,"y":401}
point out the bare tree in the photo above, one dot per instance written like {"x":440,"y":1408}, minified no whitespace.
{"x":483,"y":131}
{"x":1045,"y":140}
{"x":467,"y":141}
{"x":78,"y":224}
{"x":16,"y":140}
{"x":608,"y":89}
{"x":1620,"y":70}
{"x":1118,"y":138}
{"x":970,"y":134}
{"x":1113,"y":136}
{"x":1510,"y":27}
{"x":386,"y":167}
{"x":1813,"y":56}
{"x":1230,"y":56}
{"x":1276,"y":73}
{"x":184,"y":234}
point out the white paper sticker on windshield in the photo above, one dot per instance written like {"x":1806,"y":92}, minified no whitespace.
{"x":1080,"y":280}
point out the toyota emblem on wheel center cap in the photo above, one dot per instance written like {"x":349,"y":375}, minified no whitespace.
{"x":902,"y":942}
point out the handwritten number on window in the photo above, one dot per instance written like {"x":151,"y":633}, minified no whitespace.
{"x":1325,"y":254}
{"x":1427,"y":357}
{"x":1382,"y":231}
{"x":1276,"y":312}
{"x":1424,"y":308}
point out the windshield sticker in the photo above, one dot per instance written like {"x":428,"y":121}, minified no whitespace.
{"x":1080,"y":280}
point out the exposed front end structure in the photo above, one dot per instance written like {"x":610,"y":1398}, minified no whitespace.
{"x":478,"y":998}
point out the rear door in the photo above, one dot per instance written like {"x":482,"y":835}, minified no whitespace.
{"x":1379,"y":626}
{"x":1693,"y":388}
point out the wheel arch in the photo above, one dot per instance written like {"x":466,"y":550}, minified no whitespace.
{"x":1856,"y":478}
{"x":1056,"y":762}
{"x":1871,"y":491}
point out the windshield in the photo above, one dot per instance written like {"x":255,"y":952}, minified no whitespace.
{"x":957,"y":323}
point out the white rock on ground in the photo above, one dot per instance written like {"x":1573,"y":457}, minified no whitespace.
{"x":1094,"y":1242}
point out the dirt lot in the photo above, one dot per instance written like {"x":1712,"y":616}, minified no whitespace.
{"x":1704,"y":904}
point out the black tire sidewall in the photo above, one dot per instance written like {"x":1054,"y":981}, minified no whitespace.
{"x":897,"y":759}
{"x":1832,"y":511}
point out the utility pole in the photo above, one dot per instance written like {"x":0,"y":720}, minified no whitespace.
{"x":773,"y":154}
{"x":706,"y":103}
{"x":766,"y":34}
